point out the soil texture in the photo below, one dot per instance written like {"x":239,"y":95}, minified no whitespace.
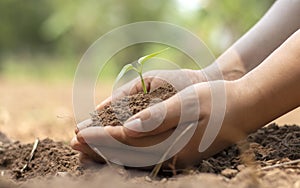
{"x":116,"y":113}
{"x":269,"y":146}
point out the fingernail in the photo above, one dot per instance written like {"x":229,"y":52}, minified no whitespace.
{"x":135,"y":125}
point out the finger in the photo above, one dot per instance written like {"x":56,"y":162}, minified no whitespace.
{"x":153,"y":120}
{"x":83,"y":125}
{"x":120,"y":153}
{"x":85,"y":148}
{"x":180,"y":108}
{"x":117,"y":152}
{"x":102,"y":136}
{"x":92,"y":152}
{"x":87,"y":162}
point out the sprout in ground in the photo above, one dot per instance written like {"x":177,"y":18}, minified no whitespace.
{"x":139,"y":70}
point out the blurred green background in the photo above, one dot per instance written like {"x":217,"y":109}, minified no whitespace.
{"x":45,"y":39}
{"x":42,"y":41}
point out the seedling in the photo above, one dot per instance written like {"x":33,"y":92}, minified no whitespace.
{"x":139,"y":68}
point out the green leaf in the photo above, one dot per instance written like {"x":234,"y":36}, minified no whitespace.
{"x":143,"y":59}
{"x":125,"y":69}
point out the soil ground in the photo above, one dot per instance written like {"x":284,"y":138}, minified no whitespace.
{"x":54,"y":164}
{"x":240,"y":165}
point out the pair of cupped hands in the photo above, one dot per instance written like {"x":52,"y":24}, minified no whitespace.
{"x":192,"y":103}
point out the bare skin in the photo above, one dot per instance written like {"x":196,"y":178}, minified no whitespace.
{"x":269,"y":90}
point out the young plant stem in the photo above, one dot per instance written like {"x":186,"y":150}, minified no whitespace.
{"x":143,"y":84}
{"x":139,"y":69}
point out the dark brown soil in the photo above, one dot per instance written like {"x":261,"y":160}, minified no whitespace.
{"x":268,"y":146}
{"x":50,"y":159}
{"x":120,"y":110}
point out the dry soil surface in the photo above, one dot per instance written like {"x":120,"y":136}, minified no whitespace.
{"x":250,"y":164}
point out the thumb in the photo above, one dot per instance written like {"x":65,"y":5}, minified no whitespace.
{"x":153,"y":120}
{"x":180,"y":108}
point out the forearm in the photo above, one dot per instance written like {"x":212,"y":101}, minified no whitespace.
{"x":270,"y":32}
{"x":273,"y":88}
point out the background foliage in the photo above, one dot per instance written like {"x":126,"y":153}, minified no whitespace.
{"x":46,"y":39}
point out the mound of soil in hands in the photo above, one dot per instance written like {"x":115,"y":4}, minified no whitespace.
{"x":120,"y":110}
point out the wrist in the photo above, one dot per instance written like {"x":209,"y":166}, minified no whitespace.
{"x":196,"y":76}
{"x":253,"y":108}
{"x":243,"y":104}
{"x":228,"y":66}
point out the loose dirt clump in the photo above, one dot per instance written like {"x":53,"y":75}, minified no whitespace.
{"x":277,"y":142}
{"x":120,"y":110}
{"x":49,"y":159}
{"x":268,"y":146}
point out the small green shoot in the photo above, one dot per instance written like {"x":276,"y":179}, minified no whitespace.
{"x":139,"y":69}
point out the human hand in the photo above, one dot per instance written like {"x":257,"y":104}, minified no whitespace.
{"x":153,"y":79}
{"x":249,"y":105}
{"x":156,"y":123}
